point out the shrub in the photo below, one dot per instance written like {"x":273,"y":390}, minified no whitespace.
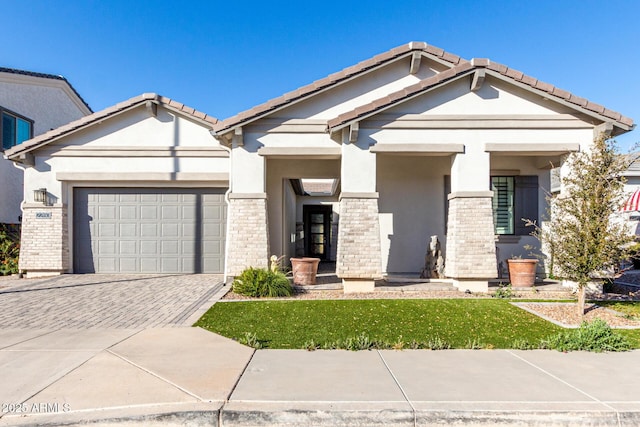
{"x":504,"y":291}
{"x":250,"y":340}
{"x":260,"y":282}
{"x":9,"y":252}
{"x":595,"y":336}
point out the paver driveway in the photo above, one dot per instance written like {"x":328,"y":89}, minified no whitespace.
{"x":106,"y":301}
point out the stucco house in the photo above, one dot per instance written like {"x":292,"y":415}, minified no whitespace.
{"x":360,"y":168}
{"x":30,"y":104}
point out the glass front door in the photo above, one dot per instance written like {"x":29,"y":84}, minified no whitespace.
{"x":317,"y":224}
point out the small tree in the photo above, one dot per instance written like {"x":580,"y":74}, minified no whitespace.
{"x":581,"y":232}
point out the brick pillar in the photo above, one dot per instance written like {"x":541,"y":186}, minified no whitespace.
{"x":44,"y":246}
{"x":358,"y":258}
{"x":248,"y":239}
{"x":471,"y":247}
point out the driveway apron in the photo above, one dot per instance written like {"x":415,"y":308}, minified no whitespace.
{"x":85,"y":301}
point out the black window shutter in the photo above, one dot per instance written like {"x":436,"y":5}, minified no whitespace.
{"x":526,"y":203}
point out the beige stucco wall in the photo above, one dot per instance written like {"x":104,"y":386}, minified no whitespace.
{"x":50,"y":104}
{"x":411,"y":209}
{"x":142,"y":135}
{"x":357,"y":92}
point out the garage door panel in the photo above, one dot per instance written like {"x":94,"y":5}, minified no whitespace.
{"x":169,"y":230}
{"x":148,"y":212}
{"x":106,"y":198}
{"x":107,"y":265}
{"x":128,"y":247}
{"x":149,"y":230}
{"x":214,"y":231}
{"x":106,"y":212}
{"x":149,"y":247}
{"x":128,"y":198}
{"x":169,"y":265}
{"x":213,"y":248}
{"x":128,"y":229}
{"x":148,"y":265}
{"x":128,"y":212}
{"x":213,"y":213}
{"x":212,"y":264}
{"x":107,"y":247}
{"x":128,"y":265}
{"x":169,"y":247}
{"x":106,"y":231}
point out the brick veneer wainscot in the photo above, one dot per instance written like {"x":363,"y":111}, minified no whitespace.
{"x":471,"y":247}
{"x":44,"y":242}
{"x":248,"y":234}
{"x":358,"y":254}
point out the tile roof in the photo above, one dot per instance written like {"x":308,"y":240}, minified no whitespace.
{"x":467,"y":68}
{"x":45,"y":76}
{"x":337,"y":78}
{"x":86,"y":121}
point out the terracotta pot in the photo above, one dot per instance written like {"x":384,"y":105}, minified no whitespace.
{"x":522,"y":272}
{"x":304,"y":270}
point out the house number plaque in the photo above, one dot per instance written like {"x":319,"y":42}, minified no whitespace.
{"x":43,"y":215}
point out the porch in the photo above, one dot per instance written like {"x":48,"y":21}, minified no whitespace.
{"x":407,"y":283}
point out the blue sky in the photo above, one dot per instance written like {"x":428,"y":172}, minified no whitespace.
{"x":225,"y":57}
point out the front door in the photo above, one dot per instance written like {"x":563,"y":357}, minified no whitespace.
{"x":317,"y":231}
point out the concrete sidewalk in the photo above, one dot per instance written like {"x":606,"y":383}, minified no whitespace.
{"x":167,"y":376}
{"x":418,"y":387}
{"x":188,"y":376}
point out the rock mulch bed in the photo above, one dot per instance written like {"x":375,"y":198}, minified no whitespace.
{"x":428,"y":294}
{"x":567,"y":314}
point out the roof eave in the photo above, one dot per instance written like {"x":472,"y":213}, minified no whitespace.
{"x":623,"y":127}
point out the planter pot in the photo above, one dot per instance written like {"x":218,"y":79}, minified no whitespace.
{"x":304,"y":270}
{"x":522,"y":272}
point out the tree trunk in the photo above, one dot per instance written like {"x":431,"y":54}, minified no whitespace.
{"x":581,"y":300}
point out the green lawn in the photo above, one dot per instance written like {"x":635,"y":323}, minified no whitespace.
{"x":488,"y":323}
{"x":630,"y":308}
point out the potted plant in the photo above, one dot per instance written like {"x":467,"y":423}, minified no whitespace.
{"x":522,"y":272}
{"x":304,"y":270}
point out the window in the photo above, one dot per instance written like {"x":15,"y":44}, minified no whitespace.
{"x":503,"y":195}
{"x":15,"y":129}
{"x":514,"y":198}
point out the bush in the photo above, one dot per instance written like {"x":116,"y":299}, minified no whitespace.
{"x":260,"y":282}
{"x":504,"y":291}
{"x":9,"y":251}
{"x":595,"y":336}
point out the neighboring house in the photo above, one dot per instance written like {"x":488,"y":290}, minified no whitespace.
{"x":360,"y":168}
{"x":30,"y":104}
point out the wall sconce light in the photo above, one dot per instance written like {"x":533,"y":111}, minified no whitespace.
{"x":40,"y":195}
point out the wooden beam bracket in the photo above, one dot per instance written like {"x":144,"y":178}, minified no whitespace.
{"x":477,"y":80}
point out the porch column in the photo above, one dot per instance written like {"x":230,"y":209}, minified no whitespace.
{"x":471,"y":249}
{"x":248,"y":232}
{"x":44,"y":248}
{"x":247,"y":227}
{"x":358,"y":261}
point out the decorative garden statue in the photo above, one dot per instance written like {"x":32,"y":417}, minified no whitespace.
{"x":433,"y":261}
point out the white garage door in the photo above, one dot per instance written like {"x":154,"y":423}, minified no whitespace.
{"x":154,"y":230}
